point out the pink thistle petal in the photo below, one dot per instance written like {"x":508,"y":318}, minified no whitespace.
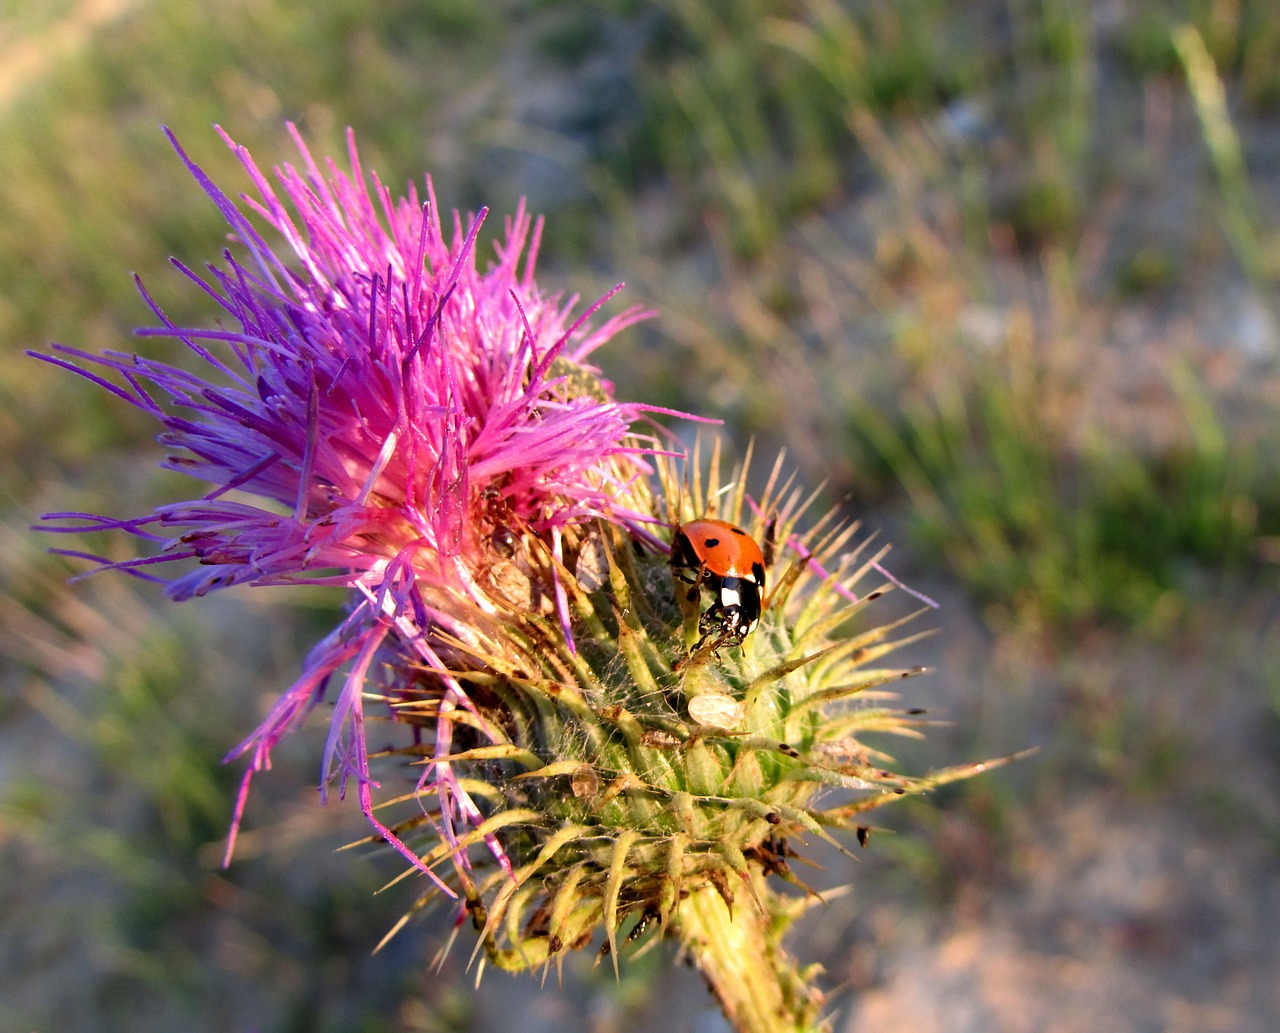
{"x":374,"y":407}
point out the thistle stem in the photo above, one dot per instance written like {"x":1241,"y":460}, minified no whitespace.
{"x":738,"y":949}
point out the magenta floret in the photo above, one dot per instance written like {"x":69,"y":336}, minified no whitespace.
{"x":375,"y":404}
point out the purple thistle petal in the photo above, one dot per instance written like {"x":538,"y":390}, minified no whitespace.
{"x":380,"y":406}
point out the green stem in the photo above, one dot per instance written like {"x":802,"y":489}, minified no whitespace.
{"x":738,"y":948}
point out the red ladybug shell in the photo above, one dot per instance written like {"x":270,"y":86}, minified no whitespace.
{"x":724,"y":549}
{"x":726,"y":559}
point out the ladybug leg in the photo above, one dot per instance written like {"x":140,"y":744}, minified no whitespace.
{"x":706,"y":648}
{"x":695,"y":583}
{"x":695,"y":591}
{"x":685,"y":568}
{"x":711,"y":641}
{"x":714,"y":618}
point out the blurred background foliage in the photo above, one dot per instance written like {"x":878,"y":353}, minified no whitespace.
{"x":1002,"y":273}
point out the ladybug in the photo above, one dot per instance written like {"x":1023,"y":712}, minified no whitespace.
{"x":724,"y":558}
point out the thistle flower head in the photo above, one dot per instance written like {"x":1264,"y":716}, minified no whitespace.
{"x":378,"y":411}
{"x":570,"y":751}
{"x":655,"y":764}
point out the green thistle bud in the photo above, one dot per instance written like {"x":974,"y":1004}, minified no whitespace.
{"x":642,"y":784}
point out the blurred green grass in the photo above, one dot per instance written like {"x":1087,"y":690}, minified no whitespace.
{"x":931,"y":222}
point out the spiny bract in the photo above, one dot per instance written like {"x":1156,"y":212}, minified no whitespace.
{"x":619,"y":778}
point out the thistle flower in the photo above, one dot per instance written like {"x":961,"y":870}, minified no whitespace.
{"x":394,"y":413}
{"x":384,"y":414}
